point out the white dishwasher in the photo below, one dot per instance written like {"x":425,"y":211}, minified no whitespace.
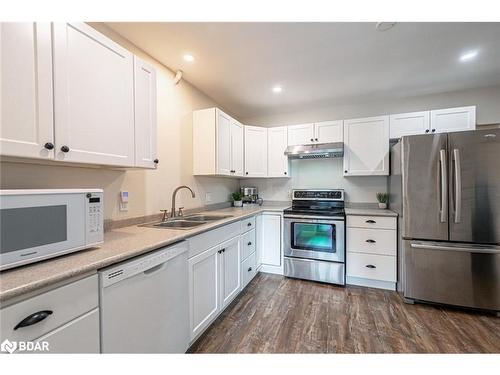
{"x":145,"y":303}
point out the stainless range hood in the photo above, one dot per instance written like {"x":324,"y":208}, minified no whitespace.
{"x":321,"y":150}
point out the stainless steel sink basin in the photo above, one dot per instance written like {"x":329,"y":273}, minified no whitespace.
{"x":200,"y":217}
{"x":178,"y":224}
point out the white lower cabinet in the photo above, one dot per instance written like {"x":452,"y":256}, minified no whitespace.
{"x":203,"y":289}
{"x":66,"y":317}
{"x":270,"y":240}
{"x":248,"y":270}
{"x":371,"y":258}
{"x":230,"y":284}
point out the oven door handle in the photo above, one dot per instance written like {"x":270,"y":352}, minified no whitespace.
{"x":315,"y":219}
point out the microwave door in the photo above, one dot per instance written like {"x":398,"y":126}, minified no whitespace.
{"x":474,"y":191}
{"x":36,"y":226}
{"x":424,"y":186}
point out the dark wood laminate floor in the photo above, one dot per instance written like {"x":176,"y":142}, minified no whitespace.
{"x":275,"y":314}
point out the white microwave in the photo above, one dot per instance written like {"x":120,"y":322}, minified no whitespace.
{"x":42,"y":224}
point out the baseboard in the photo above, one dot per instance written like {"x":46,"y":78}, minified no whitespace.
{"x":277,"y":270}
{"x":388,"y":285}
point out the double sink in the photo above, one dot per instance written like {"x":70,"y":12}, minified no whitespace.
{"x":187,"y":222}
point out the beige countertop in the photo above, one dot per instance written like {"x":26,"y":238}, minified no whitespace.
{"x":370,"y":212}
{"x":119,"y":244}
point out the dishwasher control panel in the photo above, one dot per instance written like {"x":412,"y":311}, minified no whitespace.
{"x":146,"y":264}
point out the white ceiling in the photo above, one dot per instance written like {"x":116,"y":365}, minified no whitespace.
{"x":320,"y":63}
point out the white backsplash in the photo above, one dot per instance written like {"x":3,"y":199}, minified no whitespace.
{"x":319,"y":174}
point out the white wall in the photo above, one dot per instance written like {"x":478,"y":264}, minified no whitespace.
{"x":149,"y":190}
{"x":486,"y":99}
{"x":319,"y":174}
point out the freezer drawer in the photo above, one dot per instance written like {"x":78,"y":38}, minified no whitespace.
{"x":455,"y":274}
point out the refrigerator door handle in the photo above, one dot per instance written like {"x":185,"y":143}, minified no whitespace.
{"x":444,"y":186}
{"x":477,"y":249}
{"x":458,"y":185}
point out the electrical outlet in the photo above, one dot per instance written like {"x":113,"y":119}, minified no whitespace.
{"x":208,"y":197}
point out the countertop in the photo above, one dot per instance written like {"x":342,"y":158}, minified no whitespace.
{"x":119,"y":245}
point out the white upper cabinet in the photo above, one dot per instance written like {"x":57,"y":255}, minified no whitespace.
{"x":223,"y":145}
{"x":366,"y":146}
{"x":329,"y":132}
{"x":453,"y":119}
{"x":255,"y":151}
{"x":300,"y":134}
{"x":320,"y":132}
{"x":277,"y":142}
{"x":409,"y":124}
{"x":145,"y":114}
{"x":93,"y":97}
{"x":217,"y":143}
{"x":26,"y":118}
{"x":237,"y":148}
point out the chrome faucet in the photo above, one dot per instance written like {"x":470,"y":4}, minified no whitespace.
{"x":174,"y":194}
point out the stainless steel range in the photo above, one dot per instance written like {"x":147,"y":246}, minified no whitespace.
{"x":314,"y":243}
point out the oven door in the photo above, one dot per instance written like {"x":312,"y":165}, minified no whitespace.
{"x":40,"y":226}
{"x":311,"y":238}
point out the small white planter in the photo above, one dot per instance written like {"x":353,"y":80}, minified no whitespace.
{"x":238,"y":203}
{"x":382,"y":205}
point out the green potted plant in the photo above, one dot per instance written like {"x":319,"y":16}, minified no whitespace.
{"x":382,"y":198}
{"x":237,"y":196}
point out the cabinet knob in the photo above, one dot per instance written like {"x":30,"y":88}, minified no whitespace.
{"x":49,"y":146}
{"x":345,"y":171}
{"x":370,"y":266}
{"x":246,"y":172}
{"x":249,"y":244}
{"x":249,"y":224}
{"x":316,"y":139}
{"x":249,"y":269}
{"x":156,"y":161}
{"x":65,"y":149}
{"x":427,"y":130}
{"x":284,"y":172}
{"x":312,"y":139}
{"x":433,"y":130}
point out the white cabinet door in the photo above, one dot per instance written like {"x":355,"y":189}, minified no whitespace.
{"x":329,"y":131}
{"x":255,"y":151}
{"x":145,"y":114}
{"x":409,"y":124}
{"x":271,"y":239}
{"x":223,"y":144}
{"x":203,"y":289}
{"x":453,"y":119}
{"x":230,"y":271}
{"x":301,"y":134}
{"x":237,"y":148}
{"x":26,"y":118}
{"x":93,"y":97}
{"x":277,"y":161}
{"x":366,"y":146}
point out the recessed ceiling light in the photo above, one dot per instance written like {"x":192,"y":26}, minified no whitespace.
{"x":384,"y":26}
{"x":468,"y":56}
{"x":277,"y":89}
{"x":189,"y":58}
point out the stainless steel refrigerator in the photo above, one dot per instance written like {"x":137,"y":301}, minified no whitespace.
{"x":446,"y":189}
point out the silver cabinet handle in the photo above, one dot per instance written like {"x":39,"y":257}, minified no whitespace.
{"x":458,"y":185}
{"x":485,"y":249}
{"x":444,"y":186}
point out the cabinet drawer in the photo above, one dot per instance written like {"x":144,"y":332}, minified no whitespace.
{"x":211,"y":238}
{"x":372,"y":241}
{"x":368,"y":266}
{"x":247,"y":243}
{"x":377,"y":222}
{"x":248,"y":270}
{"x":66,"y":303}
{"x":247,"y":224}
{"x":78,"y":336}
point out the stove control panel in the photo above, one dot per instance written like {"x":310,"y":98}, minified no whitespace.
{"x":320,"y":195}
